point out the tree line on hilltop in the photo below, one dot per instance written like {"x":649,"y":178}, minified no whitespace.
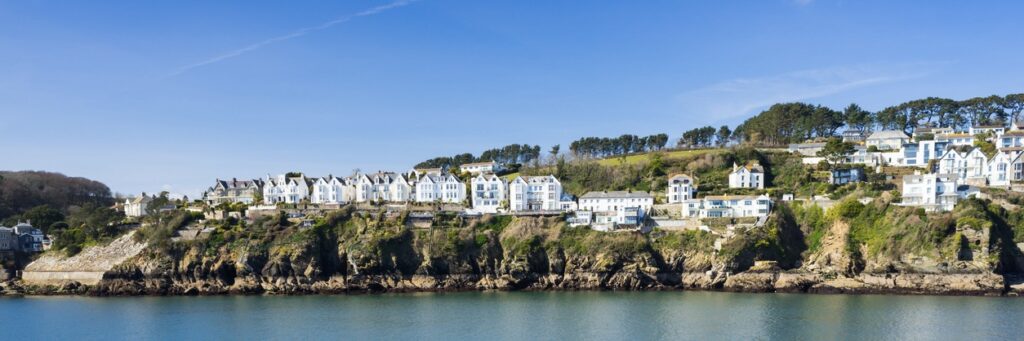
{"x":510,"y":154}
{"x":780,"y":124}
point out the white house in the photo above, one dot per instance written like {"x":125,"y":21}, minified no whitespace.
{"x":444,"y":188}
{"x":136,"y":207}
{"x":969,"y":166}
{"x":887,"y":139}
{"x":488,"y":191}
{"x":329,"y":190}
{"x":1011,"y":139}
{"x":680,"y":188}
{"x":729,"y":206}
{"x":933,"y":192}
{"x":535,"y":193}
{"x":284,"y":189}
{"x":955,"y":139}
{"x":480,"y":167}
{"x":611,"y":209}
{"x":750,"y":176}
{"x":994,"y":130}
{"x":383,"y":186}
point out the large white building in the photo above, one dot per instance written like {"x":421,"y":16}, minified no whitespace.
{"x":680,"y":188}
{"x":284,"y":189}
{"x":969,"y":166}
{"x":887,"y":139}
{"x":445,"y":188}
{"x":750,"y":176}
{"x":488,"y":192}
{"x":535,"y":193}
{"x":383,"y":186}
{"x":480,"y":167}
{"x":728,"y":206}
{"x":330,"y":190}
{"x":612,"y":209}
{"x":933,"y":192}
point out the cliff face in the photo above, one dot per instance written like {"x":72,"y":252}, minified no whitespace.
{"x":353,"y":252}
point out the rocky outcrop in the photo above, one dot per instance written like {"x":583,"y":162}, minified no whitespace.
{"x":87,"y":267}
{"x":534,"y":254}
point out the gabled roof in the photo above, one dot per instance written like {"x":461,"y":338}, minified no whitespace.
{"x":735,"y":197}
{"x":486,"y":163}
{"x":888,"y":134}
{"x":616,"y":195}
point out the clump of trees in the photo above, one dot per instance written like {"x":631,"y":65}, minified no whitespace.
{"x":624,"y":144}
{"x":789,"y":123}
{"x":510,"y":154}
{"x":796,"y":122}
{"x":27,"y":190}
{"x":706,"y":137}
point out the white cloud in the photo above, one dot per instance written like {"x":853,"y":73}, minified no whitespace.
{"x":296,"y":34}
{"x":741,"y":97}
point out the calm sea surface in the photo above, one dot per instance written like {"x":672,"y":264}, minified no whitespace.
{"x":517,"y":316}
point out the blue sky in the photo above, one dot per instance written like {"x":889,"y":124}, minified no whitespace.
{"x":147,"y":95}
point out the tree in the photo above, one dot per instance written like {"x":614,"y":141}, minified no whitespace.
{"x":981,"y":142}
{"x":724,"y":135}
{"x":554,"y":152}
{"x":836,"y":151}
{"x":857,"y":118}
{"x":43,"y":217}
{"x":1014,"y":105}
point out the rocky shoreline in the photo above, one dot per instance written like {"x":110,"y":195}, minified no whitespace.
{"x":747,"y":282}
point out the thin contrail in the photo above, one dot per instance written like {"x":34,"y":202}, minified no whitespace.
{"x":296,"y":34}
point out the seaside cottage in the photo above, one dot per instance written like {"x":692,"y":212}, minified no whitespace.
{"x":136,"y":207}
{"x":749,"y":176}
{"x":680,"y":188}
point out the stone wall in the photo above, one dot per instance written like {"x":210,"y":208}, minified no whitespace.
{"x":87,"y":267}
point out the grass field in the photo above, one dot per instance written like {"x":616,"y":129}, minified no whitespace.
{"x":637,"y":158}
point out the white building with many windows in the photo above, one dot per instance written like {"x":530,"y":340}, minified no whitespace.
{"x":444,"y":188}
{"x":680,"y":188}
{"x":934,"y":192}
{"x":971,"y":166}
{"x":283,"y":189}
{"x":728,"y":206}
{"x":330,"y":190}
{"x":615,"y":209}
{"x":488,"y":192}
{"x":749,"y":176}
{"x":383,"y":187}
{"x":535,"y":193}
{"x":480,"y":167}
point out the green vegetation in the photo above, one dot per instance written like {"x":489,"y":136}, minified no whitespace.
{"x":87,"y":225}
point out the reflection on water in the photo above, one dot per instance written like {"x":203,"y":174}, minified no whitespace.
{"x":497,"y":316}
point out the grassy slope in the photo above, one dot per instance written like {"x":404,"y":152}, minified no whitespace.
{"x":642,"y":157}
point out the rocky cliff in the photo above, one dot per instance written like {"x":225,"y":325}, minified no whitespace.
{"x":798,"y":250}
